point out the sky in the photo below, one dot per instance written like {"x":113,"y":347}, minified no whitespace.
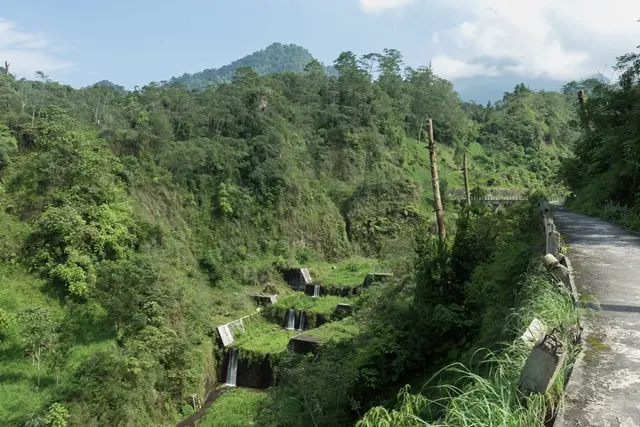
{"x":479,"y":44}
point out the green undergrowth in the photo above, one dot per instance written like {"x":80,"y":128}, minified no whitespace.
{"x":320,"y":305}
{"x":487,"y":169}
{"x":19,"y":393}
{"x":22,"y":394}
{"x":349,"y":272}
{"x":336,"y":331}
{"x":589,"y":203}
{"x":484,"y":392}
{"x":260,"y":338}
{"x":145,"y":218}
{"x":317,"y":309}
{"x":235,"y":408}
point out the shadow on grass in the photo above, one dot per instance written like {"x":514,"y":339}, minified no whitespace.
{"x":30,"y":377}
{"x":11,"y":351}
{"x":12,"y":377}
{"x":87,"y":325}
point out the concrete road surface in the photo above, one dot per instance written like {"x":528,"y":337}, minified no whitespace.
{"x":604,"y":389}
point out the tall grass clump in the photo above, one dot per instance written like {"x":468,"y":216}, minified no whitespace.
{"x":485,"y":393}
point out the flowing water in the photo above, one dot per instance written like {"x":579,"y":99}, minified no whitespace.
{"x":232,"y":367}
{"x":316,"y":291}
{"x":290,"y":320}
{"x":302,"y":321}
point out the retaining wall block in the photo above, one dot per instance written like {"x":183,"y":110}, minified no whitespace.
{"x":553,"y":243}
{"x":542,"y":366}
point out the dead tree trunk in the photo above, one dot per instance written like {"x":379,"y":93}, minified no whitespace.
{"x":6,"y":67}
{"x":436,"y":184}
{"x":583,"y":111}
{"x":465,"y":172}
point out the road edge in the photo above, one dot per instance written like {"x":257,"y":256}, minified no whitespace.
{"x":576,"y":372}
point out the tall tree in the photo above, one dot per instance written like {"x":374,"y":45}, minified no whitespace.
{"x":465,"y":172}
{"x":38,"y":327}
{"x":437,"y":200}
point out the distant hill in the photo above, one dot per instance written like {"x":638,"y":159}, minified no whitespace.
{"x":112,"y":85}
{"x":483,"y":89}
{"x":276,"y":58}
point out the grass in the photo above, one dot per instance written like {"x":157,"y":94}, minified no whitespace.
{"x":321,"y":305}
{"x":235,"y":408}
{"x":336,"y":331}
{"x":262,"y":337}
{"x":481,"y":169}
{"x":487,"y":396}
{"x":349,"y":272}
{"x":20,"y":395}
{"x":318,"y":310}
{"x":492,"y":400}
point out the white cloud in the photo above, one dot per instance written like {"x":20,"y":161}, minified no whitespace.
{"x":453,"y":68}
{"x":380,"y":5}
{"x":27,"y":52}
{"x":558,"y":39}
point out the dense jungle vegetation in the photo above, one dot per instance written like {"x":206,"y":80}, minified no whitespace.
{"x":133,"y":223}
{"x":603,"y":174}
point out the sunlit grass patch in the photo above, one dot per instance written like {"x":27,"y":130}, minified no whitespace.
{"x":235,"y":408}
{"x":262,"y":337}
{"x":336,"y":331}
{"x":348,"y":272}
{"x":321,"y":305}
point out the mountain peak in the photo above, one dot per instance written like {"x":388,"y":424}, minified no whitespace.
{"x":273,"y":59}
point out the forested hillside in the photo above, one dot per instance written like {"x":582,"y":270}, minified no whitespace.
{"x":132,"y":224}
{"x":275,"y":58}
{"x":604,"y":174}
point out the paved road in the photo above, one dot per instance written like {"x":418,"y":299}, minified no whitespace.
{"x":604,"y":389}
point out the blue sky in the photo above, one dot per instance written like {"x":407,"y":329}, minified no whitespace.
{"x":472,"y":42}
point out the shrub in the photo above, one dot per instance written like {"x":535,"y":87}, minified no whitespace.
{"x":211,"y":264}
{"x":4,"y":324}
{"x":57,"y":416}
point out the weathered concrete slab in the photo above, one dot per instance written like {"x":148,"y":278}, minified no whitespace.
{"x":306,"y":276}
{"x":553,"y":243}
{"x":314,"y":289}
{"x":225,"y":335}
{"x":297,"y":277}
{"x":303,"y":344}
{"x":605,"y":383}
{"x":237,"y":325}
{"x":549,"y":225}
{"x":534,"y":332}
{"x":343,"y":308}
{"x":558,"y":270}
{"x":540,"y":370}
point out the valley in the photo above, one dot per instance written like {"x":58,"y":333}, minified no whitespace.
{"x":257,"y":245}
